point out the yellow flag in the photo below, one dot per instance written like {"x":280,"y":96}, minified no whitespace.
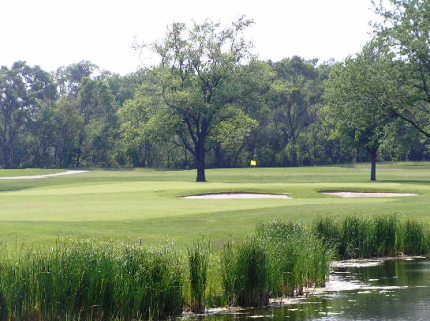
{"x":253,"y":162}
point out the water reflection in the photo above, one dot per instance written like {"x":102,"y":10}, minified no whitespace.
{"x":395,"y":290}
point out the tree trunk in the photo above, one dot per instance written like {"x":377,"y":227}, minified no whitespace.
{"x":200,"y":162}
{"x":7,"y":158}
{"x":373,"y":156}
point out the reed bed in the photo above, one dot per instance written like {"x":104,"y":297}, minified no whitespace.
{"x":245,"y":273}
{"x":414,"y":239}
{"x":372,"y":236}
{"x":279,"y":260}
{"x":298,"y":258}
{"x":91,"y":280}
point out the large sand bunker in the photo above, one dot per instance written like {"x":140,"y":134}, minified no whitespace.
{"x":223,"y":196}
{"x":367,"y":194}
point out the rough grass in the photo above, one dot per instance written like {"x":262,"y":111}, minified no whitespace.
{"x":146,"y":204}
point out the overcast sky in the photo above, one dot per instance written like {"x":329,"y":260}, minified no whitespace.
{"x":52,"y":33}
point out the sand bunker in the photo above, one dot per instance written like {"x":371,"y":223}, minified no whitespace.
{"x":367,"y":194}
{"x":223,"y":196}
{"x":45,"y":176}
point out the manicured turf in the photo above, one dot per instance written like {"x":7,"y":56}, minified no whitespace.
{"x":27,"y":172}
{"x":146,"y":204}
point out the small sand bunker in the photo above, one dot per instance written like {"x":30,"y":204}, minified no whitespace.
{"x":223,"y":196}
{"x":368,"y":194}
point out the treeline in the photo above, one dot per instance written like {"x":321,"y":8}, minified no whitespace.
{"x":81,"y":116}
{"x":210,"y":103}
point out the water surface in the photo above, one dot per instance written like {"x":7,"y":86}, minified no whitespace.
{"x":395,"y":290}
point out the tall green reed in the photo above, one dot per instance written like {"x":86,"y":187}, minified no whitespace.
{"x":228,"y":272}
{"x":150,"y":283}
{"x":297,"y":257}
{"x":252,"y":268}
{"x":386,"y":231}
{"x":328,"y":229}
{"x":356,"y":235}
{"x":198,"y":263}
{"x":92,"y":281}
{"x":245,"y":271}
{"x":371,"y":236}
{"x":414,"y":240}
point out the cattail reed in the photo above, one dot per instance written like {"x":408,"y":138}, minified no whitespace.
{"x":372,"y":236}
{"x":198,"y":262}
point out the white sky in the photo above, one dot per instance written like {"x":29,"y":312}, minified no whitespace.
{"x":52,"y":33}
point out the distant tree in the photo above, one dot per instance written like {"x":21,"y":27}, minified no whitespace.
{"x":294,"y":94}
{"x":68,"y":124}
{"x":68,"y":78}
{"x":191,"y":95}
{"x":86,"y":111}
{"x":97,"y":107}
{"x":24,"y":90}
{"x":124,"y":87}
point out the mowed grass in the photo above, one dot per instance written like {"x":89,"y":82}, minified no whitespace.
{"x":146,"y":205}
{"x":28,"y":172}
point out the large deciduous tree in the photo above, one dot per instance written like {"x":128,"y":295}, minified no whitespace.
{"x":24,"y":90}
{"x":405,"y":30}
{"x":358,"y":96}
{"x":191,"y":93}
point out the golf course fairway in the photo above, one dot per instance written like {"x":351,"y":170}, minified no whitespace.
{"x":145,"y":205}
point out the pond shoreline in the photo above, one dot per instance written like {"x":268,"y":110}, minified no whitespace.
{"x":308,"y":292}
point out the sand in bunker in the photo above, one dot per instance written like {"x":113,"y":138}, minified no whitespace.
{"x":223,"y":196}
{"x":367,"y":194}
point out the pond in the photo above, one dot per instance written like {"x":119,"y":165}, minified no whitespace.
{"x":394,"y":290}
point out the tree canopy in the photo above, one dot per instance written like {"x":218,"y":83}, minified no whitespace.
{"x":24,"y":92}
{"x":190,"y":94}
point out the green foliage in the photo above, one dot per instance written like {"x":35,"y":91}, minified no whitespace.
{"x":190,"y":96}
{"x":228,"y":272}
{"x":252,"y":274}
{"x":358,"y":94}
{"x":24,"y":93}
{"x":405,"y":32}
{"x":211,"y":103}
{"x":293,"y":96}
